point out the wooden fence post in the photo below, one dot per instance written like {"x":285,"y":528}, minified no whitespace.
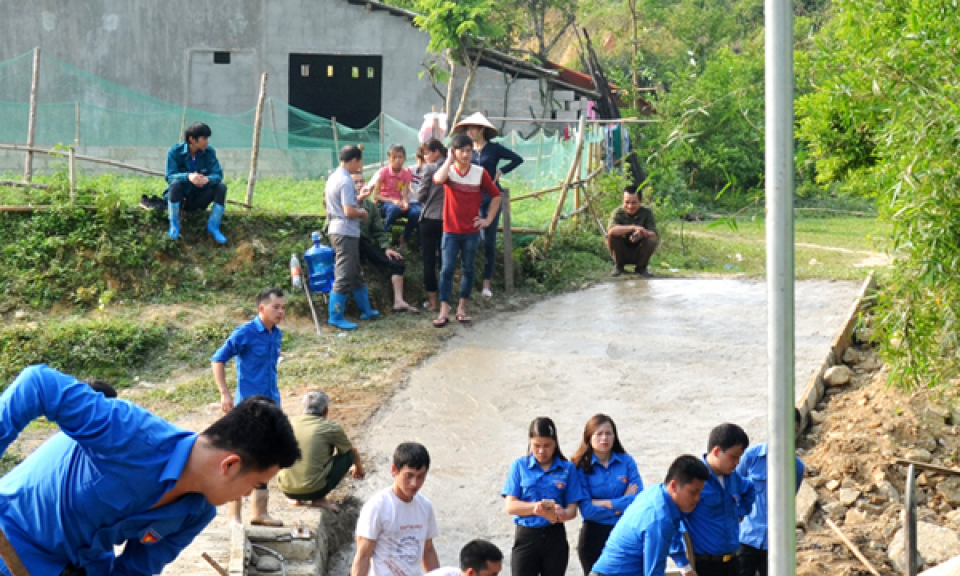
{"x":255,"y":153}
{"x":507,"y":240}
{"x":73,"y":174}
{"x":32,"y":122}
{"x":381,"y":138}
{"x":566,"y":184}
{"x":76,"y":132}
{"x":336,"y":140}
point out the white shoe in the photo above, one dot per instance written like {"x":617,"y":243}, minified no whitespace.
{"x":486,"y":293}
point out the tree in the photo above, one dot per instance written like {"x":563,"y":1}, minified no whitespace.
{"x":454,"y":27}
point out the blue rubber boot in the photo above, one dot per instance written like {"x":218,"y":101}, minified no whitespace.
{"x":213,"y":224}
{"x":363,"y":302}
{"x":173,"y":212}
{"x":338,"y":303}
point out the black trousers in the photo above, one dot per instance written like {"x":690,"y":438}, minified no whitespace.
{"x":626,"y":252}
{"x":194,"y":198}
{"x":431,"y":234}
{"x":714,"y":567}
{"x":369,"y":252}
{"x":753,"y":561}
{"x":593,"y":536}
{"x":540,"y":551}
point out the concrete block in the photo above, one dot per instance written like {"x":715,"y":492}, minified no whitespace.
{"x":806,"y":503}
{"x":563,"y":95}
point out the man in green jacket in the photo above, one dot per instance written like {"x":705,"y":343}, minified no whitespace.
{"x":375,"y":245}
{"x":632,"y":234}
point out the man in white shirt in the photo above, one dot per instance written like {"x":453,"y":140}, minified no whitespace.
{"x":477,"y":558}
{"x":396,"y":527}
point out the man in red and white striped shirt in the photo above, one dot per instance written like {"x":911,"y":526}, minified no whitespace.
{"x":463,"y":187}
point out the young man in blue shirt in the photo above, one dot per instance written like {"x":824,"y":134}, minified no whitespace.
{"x":754,"y":543}
{"x":714,"y":526}
{"x":195,"y":180}
{"x":650,"y":528}
{"x":118,"y":475}
{"x":256,"y":345}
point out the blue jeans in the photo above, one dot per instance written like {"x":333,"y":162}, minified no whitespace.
{"x":392,"y":212}
{"x":489,"y":237}
{"x":466,"y":246}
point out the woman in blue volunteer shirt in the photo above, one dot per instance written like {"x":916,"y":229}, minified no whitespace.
{"x":542,"y":492}
{"x":611,"y":482}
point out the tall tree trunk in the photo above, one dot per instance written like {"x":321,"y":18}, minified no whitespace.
{"x":448,"y":101}
{"x":471,"y":74}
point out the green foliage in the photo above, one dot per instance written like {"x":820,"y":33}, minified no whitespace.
{"x":94,"y":348}
{"x":449,"y":23}
{"x":882,"y":118}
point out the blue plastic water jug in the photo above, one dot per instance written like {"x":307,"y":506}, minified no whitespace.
{"x":320,"y":260}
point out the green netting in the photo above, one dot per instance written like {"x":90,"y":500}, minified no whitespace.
{"x":77,"y":107}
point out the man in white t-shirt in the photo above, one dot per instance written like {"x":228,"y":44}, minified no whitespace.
{"x":397,"y":525}
{"x":477,"y":558}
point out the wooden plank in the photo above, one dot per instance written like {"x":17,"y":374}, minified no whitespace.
{"x":925,"y":466}
{"x":852,"y":547}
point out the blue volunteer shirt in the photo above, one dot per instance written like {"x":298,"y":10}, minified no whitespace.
{"x":257,"y":351}
{"x":180,"y":165}
{"x":642,"y":539}
{"x":528,"y":481}
{"x":91,"y":486}
{"x":714,"y":525}
{"x":753,"y":467}
{"x":609,"y":483}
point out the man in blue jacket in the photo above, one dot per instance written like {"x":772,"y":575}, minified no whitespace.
{"x":118,"y":475}
{"x":195,"y":180}
{"x":714,"y":525}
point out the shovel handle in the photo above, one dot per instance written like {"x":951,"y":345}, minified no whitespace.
{"x":10,"y":557}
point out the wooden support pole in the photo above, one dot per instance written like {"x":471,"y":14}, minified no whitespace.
{"x":15,"y":184}
{"x":507,"y":241}
{"x":183,"y":124}
{"x":382,"y":156}
{"x":76,"y":123}
{"x":216,"y":565}
{"x":539,"y":193}
{"x":72,"y":167}
{"x":255,"y":152}
{"x":566,"y":185}
{"x":273,"y":122}
{"x":32,"y":122}
{"x":925,"y":466}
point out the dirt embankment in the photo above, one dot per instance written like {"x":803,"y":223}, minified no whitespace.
{"x":858,"y":431}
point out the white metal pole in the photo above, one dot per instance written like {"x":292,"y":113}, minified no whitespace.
{"x":780,"y":278}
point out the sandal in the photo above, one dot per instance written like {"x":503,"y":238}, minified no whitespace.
{"x":441,"y":322}
{"x":464,"y":319}
{"x":403,"y":309}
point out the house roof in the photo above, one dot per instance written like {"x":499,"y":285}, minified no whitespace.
{"x":557,"y":75}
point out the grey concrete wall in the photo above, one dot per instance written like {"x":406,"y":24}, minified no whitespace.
{"x":163,"y":48}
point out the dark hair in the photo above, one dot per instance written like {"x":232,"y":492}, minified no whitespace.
{"x":686,"y":469}
{"x":544,"y":427}
{"x":461,"y":140}
{"x":350,"y":153}
{"x":266,"y":294}
{"x":726,"y":436}
{"x":102,"y":387}
{"x":396,"y":149}
{"x":421,"y":150}
{"x":259,"y":432}
{"x":435,"y":145}
{"x":197,"y":130}
{"x":583,"y":457}
{"x":412,"y":454}
{"x":633,"y":189}
{"x":477,"y":554}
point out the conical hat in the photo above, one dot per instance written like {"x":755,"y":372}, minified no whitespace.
{"x":477,"y":119}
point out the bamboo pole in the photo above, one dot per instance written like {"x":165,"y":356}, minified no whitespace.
{"x":852,"y":547}
{"x":336,"y":138}
{"x":273,"y":122}
{"x":566,"y":185}
{"x":76,"y":132}
{"x":539,"y":193}
{"x":381,"y":137}
{"x":83,"y":158}
{"x":577,"y":189}
{"x":183,"y":124}
{"x":15,"y":184}
{"x":507,"y":241}
{"x":10,"y":557}
{"x":32,"y":122}
{"x":72,"y":167}
{"x":255,"y":152}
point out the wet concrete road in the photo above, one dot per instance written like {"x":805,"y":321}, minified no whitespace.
{"x":667,"y":359}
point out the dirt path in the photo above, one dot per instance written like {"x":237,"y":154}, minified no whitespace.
{"x":668,"y":359}
{"x":870,"y":259}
